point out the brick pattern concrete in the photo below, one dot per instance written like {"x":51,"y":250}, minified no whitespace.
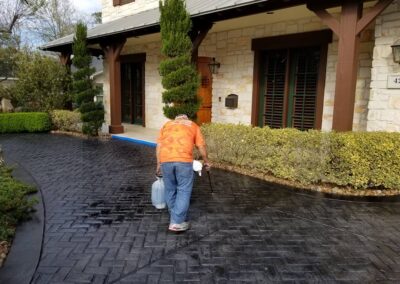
{"x":102,"y":228}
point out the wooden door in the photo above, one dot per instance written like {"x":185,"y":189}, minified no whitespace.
{"x":132,"y":92}
{"x":205,"y":90}
{"x":137,"y":93}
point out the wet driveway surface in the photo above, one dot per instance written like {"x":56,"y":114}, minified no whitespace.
{"x":100,"y":226}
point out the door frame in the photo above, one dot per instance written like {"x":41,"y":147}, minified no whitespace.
{"x":137,"y":58}
{"x":316,"y":38}
{"x":206,"y":60}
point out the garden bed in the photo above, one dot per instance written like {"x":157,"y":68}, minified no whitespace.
{"x":4,"y":248}
{"x":15,"y":207}
{"x":323,"y":188}
{"x":350,"y":163}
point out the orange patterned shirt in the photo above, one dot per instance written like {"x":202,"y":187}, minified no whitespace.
{"x":177,"y":139}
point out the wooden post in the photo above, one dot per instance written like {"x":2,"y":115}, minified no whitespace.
{"x":348,"y":29}
{"x":112,"y":52}
{"x":347,"y":66}
{"x":65,"y":59}
{"x":199,"y":32}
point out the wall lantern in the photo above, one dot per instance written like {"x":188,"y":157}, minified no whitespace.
{"x":396,"y":51}
{"x":214,"y":66}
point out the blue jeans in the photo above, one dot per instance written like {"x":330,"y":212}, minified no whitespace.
{"x":178,"y":181}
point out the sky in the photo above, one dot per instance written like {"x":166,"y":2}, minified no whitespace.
{"x":87,"y":6}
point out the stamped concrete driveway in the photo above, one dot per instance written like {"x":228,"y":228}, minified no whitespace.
{"x":100,"y":226}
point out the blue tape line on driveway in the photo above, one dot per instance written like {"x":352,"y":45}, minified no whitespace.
{"x":137,"y":141}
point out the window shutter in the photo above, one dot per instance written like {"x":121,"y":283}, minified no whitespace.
{"x":306,"y":83}
{"x":275,"y":88}
{"x":116,"y":2}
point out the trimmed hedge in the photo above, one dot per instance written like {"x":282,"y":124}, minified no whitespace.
{"x":356,"y":159}
{"x":24,"y":122}
{"x":66,"y":120}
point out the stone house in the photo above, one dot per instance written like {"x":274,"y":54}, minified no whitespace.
{"x":297,"y":63}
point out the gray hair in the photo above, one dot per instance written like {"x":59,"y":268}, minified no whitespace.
{"x":184,"y":116}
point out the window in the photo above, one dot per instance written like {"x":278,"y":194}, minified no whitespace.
{"x":289,"y":80}
{"x":122,"y":2}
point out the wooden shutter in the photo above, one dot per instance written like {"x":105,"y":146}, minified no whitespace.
{"x":305,"y":90}
{"x":274,"y":88}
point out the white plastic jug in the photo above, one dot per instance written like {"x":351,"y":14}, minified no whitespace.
{"x":197,"y":166}
{"x":158,"y":193}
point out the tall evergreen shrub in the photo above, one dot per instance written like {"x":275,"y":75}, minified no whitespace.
{"x":179,"y":76}
{"x":92,"y":114}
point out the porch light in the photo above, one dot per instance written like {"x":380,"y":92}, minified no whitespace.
{"x":396,"y":51}
{"x":214,"y":66}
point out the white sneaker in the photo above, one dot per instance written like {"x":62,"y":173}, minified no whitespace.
{"x":179,"y":227}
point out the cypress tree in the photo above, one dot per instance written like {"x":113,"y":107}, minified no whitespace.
{"x":92,"y":114}
{"x":179,"y":76}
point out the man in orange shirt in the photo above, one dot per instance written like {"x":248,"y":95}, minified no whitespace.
{"x":174,"y":151}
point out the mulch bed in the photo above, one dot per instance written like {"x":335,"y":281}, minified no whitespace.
{"x":328,"y":189}
{"x":102,"y":136}
{"x":4,"y":248}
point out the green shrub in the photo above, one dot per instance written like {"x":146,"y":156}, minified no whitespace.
{"x":92,"y":114}
{"x":43,"y":83}
{"x":66,"y":120}
{"x":365,"y":159}
{"x":357,"y":159}
{"x":180,"y":78}
{"x":24,"y":122}
{"x":14,"y":206}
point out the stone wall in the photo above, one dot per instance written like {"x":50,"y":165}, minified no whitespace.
{"x":384,"y":104}
{"x":362,"y":86}
{"x":153,"y":88}
{"x":109,"y":12}
{"x":233,"y":50}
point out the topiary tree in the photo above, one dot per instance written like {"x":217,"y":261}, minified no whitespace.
{"x":92,"y":114}
{"x":180,"y":78}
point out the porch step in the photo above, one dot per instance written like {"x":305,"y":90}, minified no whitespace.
{"x":138,"y":134}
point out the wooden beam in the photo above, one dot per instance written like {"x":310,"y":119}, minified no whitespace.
{"x":65,"y":59}
{"x":197,"y":37}
{"x":322,"y":37}
{"x":372,"y":14}
{"x":326,"y":18}
{"x":112,"y":52}
{"x":347,"y":66}
{"x":329,"y":20}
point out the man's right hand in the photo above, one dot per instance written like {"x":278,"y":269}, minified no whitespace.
{"x":207,"y":166}
{"x":158,"y":170}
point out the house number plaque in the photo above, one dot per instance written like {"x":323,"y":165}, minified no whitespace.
{"x":393,"y":81}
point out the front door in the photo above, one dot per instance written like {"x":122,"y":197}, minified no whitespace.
{"x":289,"y":88}
{"x":132,"y":92}
{"x":205,"y":91}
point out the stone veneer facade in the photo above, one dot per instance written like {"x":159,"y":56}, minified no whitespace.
{"x":109,"y":12}
{"x":232,"y":48}
{"x":384,"y":103}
